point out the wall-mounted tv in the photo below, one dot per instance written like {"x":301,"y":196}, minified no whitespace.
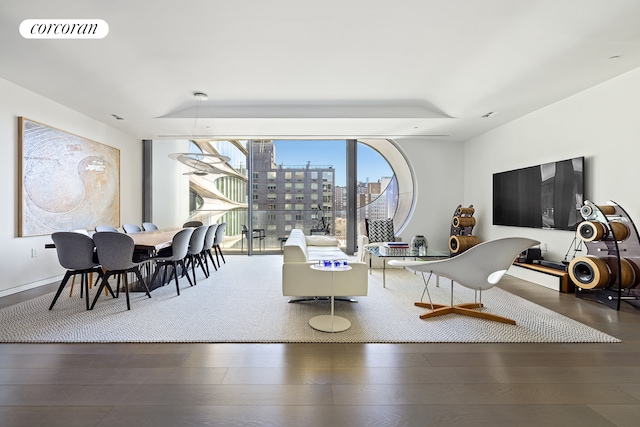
{"x":548,"y":195}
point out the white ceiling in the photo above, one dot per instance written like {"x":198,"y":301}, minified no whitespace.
{"x":297,"y":68}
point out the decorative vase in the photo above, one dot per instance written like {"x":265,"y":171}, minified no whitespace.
{"x":419,"y":245}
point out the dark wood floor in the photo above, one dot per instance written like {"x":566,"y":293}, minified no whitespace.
{"x":332,"y":384}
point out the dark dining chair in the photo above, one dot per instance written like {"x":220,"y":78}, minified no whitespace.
{"x":174,"y":257}
{"x":218,"y":241}
{"x":76,"y":254}
{"x":131,"y":228}
{"x":115,"y":254}
{"x":209,"y":238}
{"x":194,"y":254}
{"x":149,"y":226}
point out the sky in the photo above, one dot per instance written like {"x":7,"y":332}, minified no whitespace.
{"x":371,"y":165}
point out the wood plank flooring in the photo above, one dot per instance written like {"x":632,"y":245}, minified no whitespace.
{"x":332,"y":384}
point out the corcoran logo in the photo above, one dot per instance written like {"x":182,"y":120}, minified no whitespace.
{"x":64,"y":29}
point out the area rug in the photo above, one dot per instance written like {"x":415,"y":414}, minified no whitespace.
{"x":242,"y":302}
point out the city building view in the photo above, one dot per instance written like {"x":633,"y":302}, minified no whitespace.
{"x":281,"y":190}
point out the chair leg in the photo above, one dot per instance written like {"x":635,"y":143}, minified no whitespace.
{"x":159,"y":266}
{"x":215,"y":248}
{"x":212,"y":261}
{"x":118,"y":283}
{"x":221,"y":256}
{"x":59,"y":291}
{"x":107,"y":288}
{"x":104,"y":283}
{"x":193,"y":269}
{"x":141,"y":279}
{"x":185,"y":271}
{"x":73,"y":282}
{"x":203,"y":255}
{"x":219,"y":251}
{"x":174,"y":274}
{"x":199,"y":259}
{"x":126,"y":290}
{"x":463,"y":309}
{"x":84,"y":282}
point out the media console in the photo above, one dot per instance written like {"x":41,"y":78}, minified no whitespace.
{"x":553,"y":275}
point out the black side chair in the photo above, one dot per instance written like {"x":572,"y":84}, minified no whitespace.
{"x":196,"y":243}
{"x":218,"y":241}
{"x":76,"y":254}
{"x":208,"y":245}
{"x":257,"y":234}
{"x":174,"y":257}
{"x":115,"y":254}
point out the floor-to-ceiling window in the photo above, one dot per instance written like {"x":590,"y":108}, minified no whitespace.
{"x":273,"y":186}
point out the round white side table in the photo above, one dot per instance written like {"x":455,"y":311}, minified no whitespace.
{"x":330,"y":322}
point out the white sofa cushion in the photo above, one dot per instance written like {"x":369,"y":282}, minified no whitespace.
{"x":321,"y":241}
{"x":317,"y":253}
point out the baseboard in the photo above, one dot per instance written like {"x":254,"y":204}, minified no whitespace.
{"x":28,"y":286}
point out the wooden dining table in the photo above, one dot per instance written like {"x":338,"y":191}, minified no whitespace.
{"x":153,"y":240}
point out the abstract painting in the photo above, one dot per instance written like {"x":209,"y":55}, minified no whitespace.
{"x":66,"y":182}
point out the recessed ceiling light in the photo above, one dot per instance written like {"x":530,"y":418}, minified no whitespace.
{"x":489,"y":114}
{"x":200,"y":96}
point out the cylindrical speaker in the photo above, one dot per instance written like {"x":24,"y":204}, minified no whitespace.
{"x":587,"y":210}
{"x":636,"y":270}
{"x":465,"y":211}
{"x":459,"y":244}
{"x":589,"y":272}
{"x":619,"y":229}
{"x":627,"y":273}
{"x":590,"y":231}
{"x":463,"y":221}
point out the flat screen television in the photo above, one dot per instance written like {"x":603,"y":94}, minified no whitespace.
{"x":548,"y":195}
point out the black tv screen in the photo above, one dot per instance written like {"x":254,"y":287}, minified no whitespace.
{"x":549,"y":195}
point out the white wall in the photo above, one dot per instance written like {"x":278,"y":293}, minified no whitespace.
{"x":170,"y":188}
{"x":19,"y":270}
{"x":601,"y":123}
{"x":440,"y":182}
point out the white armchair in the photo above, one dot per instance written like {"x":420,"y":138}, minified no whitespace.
{"x":377,"y":232}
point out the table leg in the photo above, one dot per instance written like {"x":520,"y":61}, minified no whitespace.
{"x":384,"y":272}
{"x":330,"y":323}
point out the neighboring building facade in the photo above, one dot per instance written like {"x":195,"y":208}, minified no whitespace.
{"x":291,"y":196}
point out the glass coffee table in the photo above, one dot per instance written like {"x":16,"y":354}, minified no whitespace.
{"x":430,"y":255}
